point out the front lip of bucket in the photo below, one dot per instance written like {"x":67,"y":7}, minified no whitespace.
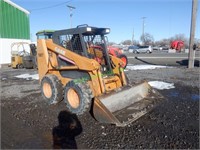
{"x":104,"y":109}
{"x":127,"y":95}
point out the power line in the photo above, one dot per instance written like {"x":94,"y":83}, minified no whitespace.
{"x":52,"y":6}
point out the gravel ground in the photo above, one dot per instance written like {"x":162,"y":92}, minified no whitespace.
{"x":27,"y":120}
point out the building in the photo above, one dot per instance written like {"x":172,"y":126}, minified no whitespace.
{"x":14,"y":27}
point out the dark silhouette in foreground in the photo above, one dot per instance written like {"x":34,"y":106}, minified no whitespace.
{"x":146,"y":62}
{"x":64,"y":134}
{"x":185,"y":62}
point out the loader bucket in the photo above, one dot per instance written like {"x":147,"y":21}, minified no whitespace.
{"x":126,"y":105}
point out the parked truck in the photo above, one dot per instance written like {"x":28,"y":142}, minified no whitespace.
{"x":177,"y":45}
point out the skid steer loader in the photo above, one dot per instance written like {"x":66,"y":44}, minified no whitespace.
{"x":72,"y":67}
{"x":19,"y":50}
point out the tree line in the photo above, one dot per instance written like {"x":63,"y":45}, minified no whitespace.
{"x":148,"y":39}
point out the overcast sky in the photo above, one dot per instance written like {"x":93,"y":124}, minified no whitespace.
{"x":164,"y":18}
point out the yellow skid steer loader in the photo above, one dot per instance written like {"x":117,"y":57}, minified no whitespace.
{"x":18,"y":51}
{"x":75,"y":66}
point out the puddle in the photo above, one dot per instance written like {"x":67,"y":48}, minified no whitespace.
{"x":195,"y":97}
{"x":174,"y":94}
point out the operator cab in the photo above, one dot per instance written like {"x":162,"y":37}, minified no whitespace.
{"x":44,"y":34}
{"x":86,"y":41}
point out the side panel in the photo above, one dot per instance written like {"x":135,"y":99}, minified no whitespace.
{"x":83,"y":63}
{"x":42,"y":58}
{"x":47,"y":53}
{"x":14,"y":22}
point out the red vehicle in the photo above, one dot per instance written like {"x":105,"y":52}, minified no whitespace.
{"x":177,"y":45}
{"x":118,"y":53}
{"x":115,"y":52}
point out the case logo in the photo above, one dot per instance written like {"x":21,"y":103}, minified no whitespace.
{"x":60,"y":51}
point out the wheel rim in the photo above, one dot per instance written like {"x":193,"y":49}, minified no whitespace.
{"x":124,"y":60}
{"x":73,"y":98}
{"x":47,"y":90}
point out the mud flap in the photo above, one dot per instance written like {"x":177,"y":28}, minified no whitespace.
{"x":126,"y":105}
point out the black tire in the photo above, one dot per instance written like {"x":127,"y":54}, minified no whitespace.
{"x":35,"y":62}
{"x":123,"y":57}
{"x":135,"y":52}
{"x":148,"y":52}
{"x":78,"y":97}
{"x":20,"y":66}
{"x":52,"y":89}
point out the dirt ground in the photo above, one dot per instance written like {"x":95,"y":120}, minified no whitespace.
{"x":27,"y":121}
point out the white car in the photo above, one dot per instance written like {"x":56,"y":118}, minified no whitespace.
{"x":132,"y":48}
{"x":143,"y":49}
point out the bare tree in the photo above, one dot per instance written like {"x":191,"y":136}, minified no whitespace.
{"x":163,"y":42}
{"x":167,"y":41}
{"x":135,"y":42}
{"x":197,"y":42}
{"x":147,"y":39}
{"x":111,"y":43}
{"x":126,"y":42}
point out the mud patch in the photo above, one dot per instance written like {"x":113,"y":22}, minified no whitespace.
{"x":27,"y":121}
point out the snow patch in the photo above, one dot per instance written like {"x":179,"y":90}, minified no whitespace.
{"x":143,"y":67}
{"x":28,"y":76}
{"x":161,"y":85}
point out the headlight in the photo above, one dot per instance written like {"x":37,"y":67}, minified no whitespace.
{"x":89,"y":29}
{"x":107,"y":30}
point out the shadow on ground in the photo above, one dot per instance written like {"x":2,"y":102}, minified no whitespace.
{"x":146,"y":62}
{"x":64,"y":134}
{"x":185,"y":62}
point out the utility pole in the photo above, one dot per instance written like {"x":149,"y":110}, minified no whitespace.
{"x":143,"y":20}
{"x":71,"y":14}
{"x":191,"y":55}
{"x":133,"y":37}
